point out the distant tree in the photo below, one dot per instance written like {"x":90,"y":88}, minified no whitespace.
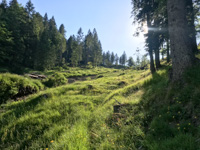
{"x":131,"y":62}
{"x":108,"y":58}
{"x":75,"y":52}
{"x":112,"y":58}
{"x":120,"y":60}
{"x":144,"y":61}
{"x":80,"y":37}
{"x":62,"y":30}
{"x":30,"y":9}
{"x":97,"y":49}
{"x":116,"y":59}
{"x":62,"y":45}
{"x":104,"y":58}
{"x":88,"y":46}
{"x":138,"y":61}
{"x":123,"y":59}
{"x":16,"y":15}
{"x":30,"y":39}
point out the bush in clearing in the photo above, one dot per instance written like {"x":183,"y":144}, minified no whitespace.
{"x":56,"y":80}
{"x":14,"y":86}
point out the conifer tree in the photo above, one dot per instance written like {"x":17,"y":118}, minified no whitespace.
{"x":112,"y":58}
{"x":116,"y":59}
{"x":131,"y":62}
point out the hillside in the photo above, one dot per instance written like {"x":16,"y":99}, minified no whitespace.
{"x":80,"y":115}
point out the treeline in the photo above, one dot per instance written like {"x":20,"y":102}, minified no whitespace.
{"x":171,"y":26}
{"x":111,"y":59}
{"x":30,"y":40}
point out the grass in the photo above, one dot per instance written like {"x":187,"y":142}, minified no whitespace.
{"x":80,"y":115}
{"x":14,"y":86}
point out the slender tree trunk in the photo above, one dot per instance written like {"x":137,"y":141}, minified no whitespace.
{"x":181,"y":47}
{"x":152,"y":67}
{"x":157,"y":58}
{"x":191,"y":20}
{"x":150,"y":45}
{"x":168,"y":56}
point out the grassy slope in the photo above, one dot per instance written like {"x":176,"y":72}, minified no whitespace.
{"x":80,"y":115}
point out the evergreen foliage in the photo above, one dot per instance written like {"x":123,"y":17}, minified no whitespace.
{"x":35,"y":42}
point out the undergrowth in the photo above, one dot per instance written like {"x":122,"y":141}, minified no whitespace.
{"x":14,"y":86}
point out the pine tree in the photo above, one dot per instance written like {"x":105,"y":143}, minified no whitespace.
{"x":108,"y":58}
{"x":30,"y":36}
{"x":112,"y":58}
{"x":131,"y":62}
{"x":116,"y":59}
{"x":104,"y":58}
{"x":80,"y":37}
{"x":62,"y":45}
{"x":17,"y":15}
{"x":123,"y":59}
{"x":75,"y":52}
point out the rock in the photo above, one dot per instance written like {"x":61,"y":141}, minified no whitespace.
{"x":34,"y":76}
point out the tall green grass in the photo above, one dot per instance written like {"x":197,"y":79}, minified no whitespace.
{"x":160,"y":115}
{"x":13,"y":86}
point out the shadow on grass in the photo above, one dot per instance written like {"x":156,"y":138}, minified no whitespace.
{"x":169,"y":112}
{"x":166,"y":116}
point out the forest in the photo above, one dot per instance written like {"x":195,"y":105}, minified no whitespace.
{"x":35,"y":42}
{"x":59,"y":93}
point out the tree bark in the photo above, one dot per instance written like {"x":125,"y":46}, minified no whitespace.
{"x":181,"y":46}
{"x":157,"y":58}
{"x":191,"y":20}
{"x":168,"y":56}
{"x":150,"y":45}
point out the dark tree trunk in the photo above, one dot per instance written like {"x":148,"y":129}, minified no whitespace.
{"x":181,"y":47}
{"x":157,"y":58}
{"x":192,"y":30}
{"x":152,"y":67}
{"x":168,"y":56}
{"x":150,"y":45}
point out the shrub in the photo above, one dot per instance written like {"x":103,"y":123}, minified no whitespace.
{"x":56,"y":80}
{"x":14,"y":86}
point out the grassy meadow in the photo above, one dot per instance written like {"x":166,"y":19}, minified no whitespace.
{"x":80,"y":115}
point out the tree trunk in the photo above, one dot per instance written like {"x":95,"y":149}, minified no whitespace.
{"x":168,"y":57}
{"x":157,"y":58}
{"x":181,"y":47}
{"x":150,"y":45}
{"x":192,"y":30}
{"x":152,"y":67}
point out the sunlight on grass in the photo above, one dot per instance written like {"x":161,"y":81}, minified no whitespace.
{"x":80,"y":115}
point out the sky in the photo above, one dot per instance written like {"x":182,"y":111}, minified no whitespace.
{"x":111,"y":18}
